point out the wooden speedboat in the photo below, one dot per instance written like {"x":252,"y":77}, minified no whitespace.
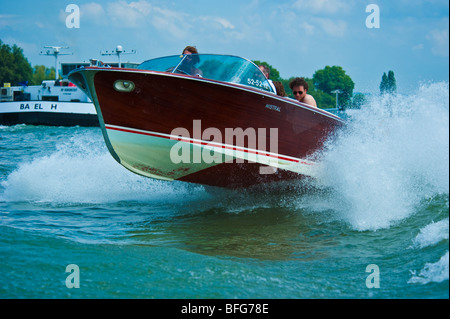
{"x":207,"y":119}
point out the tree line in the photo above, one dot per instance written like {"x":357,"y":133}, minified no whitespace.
{"x":325,"y":81}
{"x":15,"y":69}
{"x":321,"y":85}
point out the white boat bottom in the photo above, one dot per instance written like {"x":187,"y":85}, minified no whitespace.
{"x":170,"y":157}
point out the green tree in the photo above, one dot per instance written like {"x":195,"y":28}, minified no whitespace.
{"x":14,"y":67}
{"x":334,"y":78}
{"x":287,"y":89}
{"x":323,"y":100}
{"x":392,"y":83}
{"x":274,"y":74}
{"x":388,"y":83}
{"x":41,"y":73}
{"x":384,"y":83}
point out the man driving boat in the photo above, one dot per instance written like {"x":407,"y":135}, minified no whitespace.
{"x":189,"y":62}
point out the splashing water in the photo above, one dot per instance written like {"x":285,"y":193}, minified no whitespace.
{"x":82,"y":171}
{"x":382,"y":198}
{"x":393,"y":154}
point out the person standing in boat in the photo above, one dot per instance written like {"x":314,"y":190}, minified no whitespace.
{"x":190,"y":62}
{"x":266,"y":72}
{"x":299,"y":88}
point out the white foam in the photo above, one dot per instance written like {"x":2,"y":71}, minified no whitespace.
{"x":82,"y":171}
{"x":432,"y":234}
{"x":393,"y":154}
{"x":432,"y":272}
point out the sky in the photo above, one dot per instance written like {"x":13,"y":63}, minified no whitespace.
{"x":297,"y":37}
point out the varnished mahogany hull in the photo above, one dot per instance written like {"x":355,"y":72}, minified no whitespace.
{"x":138,"y":126}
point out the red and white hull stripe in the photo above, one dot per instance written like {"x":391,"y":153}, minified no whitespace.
{"x":152,"y":154}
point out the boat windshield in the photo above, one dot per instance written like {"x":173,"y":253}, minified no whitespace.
{"x":225,"y":68}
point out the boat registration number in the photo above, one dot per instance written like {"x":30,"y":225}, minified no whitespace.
{"x":257,"y":83}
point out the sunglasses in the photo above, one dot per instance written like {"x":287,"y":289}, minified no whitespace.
{"x":297,"y":92}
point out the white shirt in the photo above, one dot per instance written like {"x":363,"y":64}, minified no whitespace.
{"x":272,"y":85}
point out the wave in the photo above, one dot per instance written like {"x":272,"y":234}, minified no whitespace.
{"x":432,"y":272}
{"x":82,"y":171}
{"x":432,"y":234}
{"x":393,"y":153}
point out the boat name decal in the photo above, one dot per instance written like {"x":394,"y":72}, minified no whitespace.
{"x":273,"y":107}
{"x":36,"y":106}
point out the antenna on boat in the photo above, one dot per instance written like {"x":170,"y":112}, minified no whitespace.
{"x":56,"y":52}
{"x":119,"y":51}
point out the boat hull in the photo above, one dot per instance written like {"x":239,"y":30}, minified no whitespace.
{"x":177,"y":127}
{"x":48,"y":113}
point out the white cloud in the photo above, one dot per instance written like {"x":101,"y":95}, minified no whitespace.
{"x":225,"y":23}
{"x":439,"y":42}
{"x":92,"y":10}
{"x":322,"y":6}
{"x":130,"y":15}
{"x":142,"y":14}
{"x":208,"y":22}
{"x":313,"y":17}
{"x":7,"y":20}
{"x":177,"y":24}
{"x":335,"y":28}
{"x":307,"y":28}
{"x":40,"y":25}
{"x":143,"y":7}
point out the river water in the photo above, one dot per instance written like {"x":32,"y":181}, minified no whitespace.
{"x":374,"y":225}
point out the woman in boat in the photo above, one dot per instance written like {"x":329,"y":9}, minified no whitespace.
{"x":279,"y":88}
